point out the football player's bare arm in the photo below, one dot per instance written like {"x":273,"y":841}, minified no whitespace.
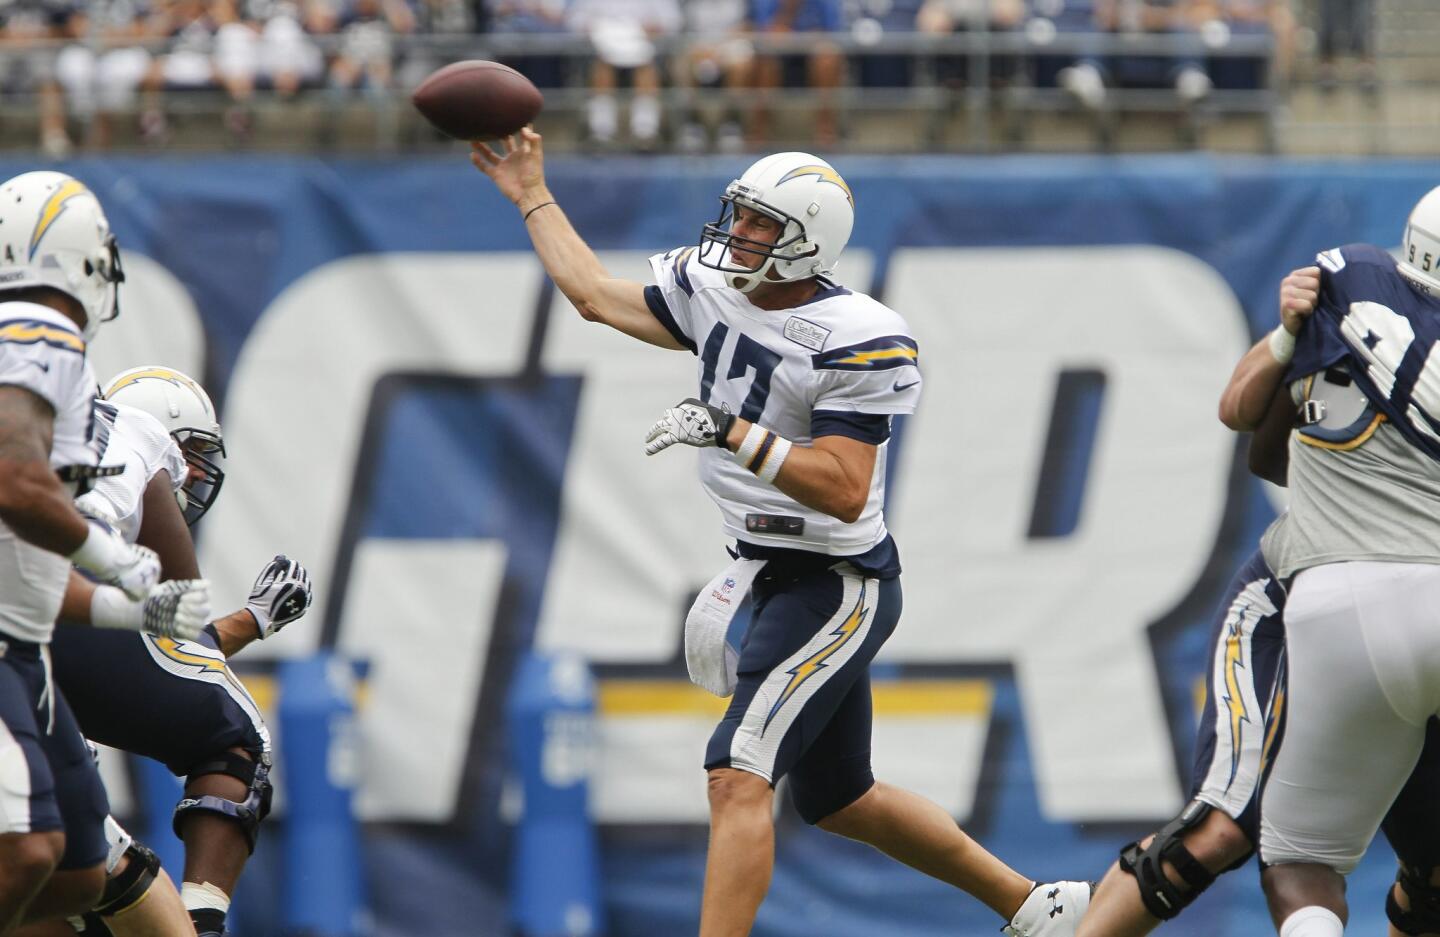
{"x":33,"y":502}
{"x":236,"y":632}
{"x":163,"y":529}
{"x":831,"y":475}
{"x":1270,"y":445}
{"x":599,"y":297}
{"x":79,"y":594}
{"x":1247,"y":397}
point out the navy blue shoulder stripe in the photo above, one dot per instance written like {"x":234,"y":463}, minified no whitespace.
{"x":879,"y":354}
{"x":872,"y":428}
{"x":660,"y":309}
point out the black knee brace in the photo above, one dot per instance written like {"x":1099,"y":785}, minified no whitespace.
{"x":1424,"y":914}
{"x":1162,"y":897}
{"x":248,"y":814}
{"x":123,"y":891}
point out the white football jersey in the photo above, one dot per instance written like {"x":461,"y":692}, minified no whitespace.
{"x":140,"y":443}
{"x":838,"y":364}
{"x":42,"y":351}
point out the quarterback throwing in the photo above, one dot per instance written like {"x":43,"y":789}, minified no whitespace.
{"x":798,"y":378}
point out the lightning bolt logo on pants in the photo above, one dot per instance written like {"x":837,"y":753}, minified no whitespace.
{"x":816,"y":662}
{"x":1233,"y":699}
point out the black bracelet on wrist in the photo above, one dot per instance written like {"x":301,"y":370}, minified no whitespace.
{"x":535,"y":209}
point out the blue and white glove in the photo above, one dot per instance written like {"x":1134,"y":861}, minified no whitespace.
{"x":280,"y":595}
{"x":692,"y":423}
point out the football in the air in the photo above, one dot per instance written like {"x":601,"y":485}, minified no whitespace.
{"x":477,"y":100}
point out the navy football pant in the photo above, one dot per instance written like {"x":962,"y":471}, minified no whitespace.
{"x":802,"y":702}
{"x":174,"y":701}
{"x":48,"y":781}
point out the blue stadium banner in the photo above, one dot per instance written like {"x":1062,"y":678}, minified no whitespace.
{"x":412,"y":412}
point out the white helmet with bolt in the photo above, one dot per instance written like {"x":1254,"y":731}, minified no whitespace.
{"x":53,"y":234}
{"x":1420,"y":247}
{"x":185,"y":410}
{"x":814,"y":206}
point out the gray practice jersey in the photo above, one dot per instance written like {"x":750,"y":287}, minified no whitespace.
{"x":1358,"y":489}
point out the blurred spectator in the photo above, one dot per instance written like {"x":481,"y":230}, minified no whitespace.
{"x":99,"y":84}
{"x":822,"y":68}
{"x":366,"y":59}
{"x":621,"y":32}
{"x":434,"y":18}
{"x":718,"y":55}
{"x":29,"y":69}
{"x":870,"y":20}
{"x":1090,"y":76}
{"x":289,"y":61}
{"x":187,"y":66}
{"x":938,"y":17}
{"x":1218,"y":20}
{"x":1347,"y":27}
{"x":534,"y":17}
{"x":236,"y":62}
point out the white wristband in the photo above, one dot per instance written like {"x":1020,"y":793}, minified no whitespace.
{"x":112,"y":608}
{"x":1282,"y":345}
{"x":750,"y":444}
{"x":763,"y":452}
{"x":101,"y":551}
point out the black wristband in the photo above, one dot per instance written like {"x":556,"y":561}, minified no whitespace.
{"x":535,"y":209}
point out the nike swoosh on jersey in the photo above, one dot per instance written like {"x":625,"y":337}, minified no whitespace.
{"x":897,"y":386}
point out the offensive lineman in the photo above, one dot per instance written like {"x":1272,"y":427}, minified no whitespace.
{"x":1243,"y":722}
{"x":59,"y":269}
{"x":1361,"y":540}
{"x":1244,"y":711}
{"x":163,"y":429}
{"x":799,"y":377}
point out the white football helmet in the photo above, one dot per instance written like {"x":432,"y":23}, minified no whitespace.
{"x":184,"y":408}
{"x":53,"y":233}
{"x":1420,"y":247}
{"x":813,"y":205}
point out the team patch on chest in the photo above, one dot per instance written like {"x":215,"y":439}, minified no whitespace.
{"x":806,"y":333}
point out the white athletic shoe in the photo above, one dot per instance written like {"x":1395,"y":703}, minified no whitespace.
{"x":1052,"y":909}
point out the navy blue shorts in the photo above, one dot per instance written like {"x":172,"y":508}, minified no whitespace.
{"x":176,"y":702}
{"x":1243,"y":719}
{"x":802,"y":702}
{"x":48,"y":781}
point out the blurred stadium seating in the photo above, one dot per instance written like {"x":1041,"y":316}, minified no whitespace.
{"x":697,"y":75}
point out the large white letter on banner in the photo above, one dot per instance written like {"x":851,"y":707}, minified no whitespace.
{"x":158,"y":324}
{"x":293,"y":425}
{"x":1070,"y":613}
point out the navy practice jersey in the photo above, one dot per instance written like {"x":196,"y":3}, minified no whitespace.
{"x":1365,"y":469}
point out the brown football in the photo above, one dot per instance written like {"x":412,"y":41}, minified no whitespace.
{"x":477,"y":100}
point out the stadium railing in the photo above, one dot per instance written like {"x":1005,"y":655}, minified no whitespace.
{"x":989,"y":81}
